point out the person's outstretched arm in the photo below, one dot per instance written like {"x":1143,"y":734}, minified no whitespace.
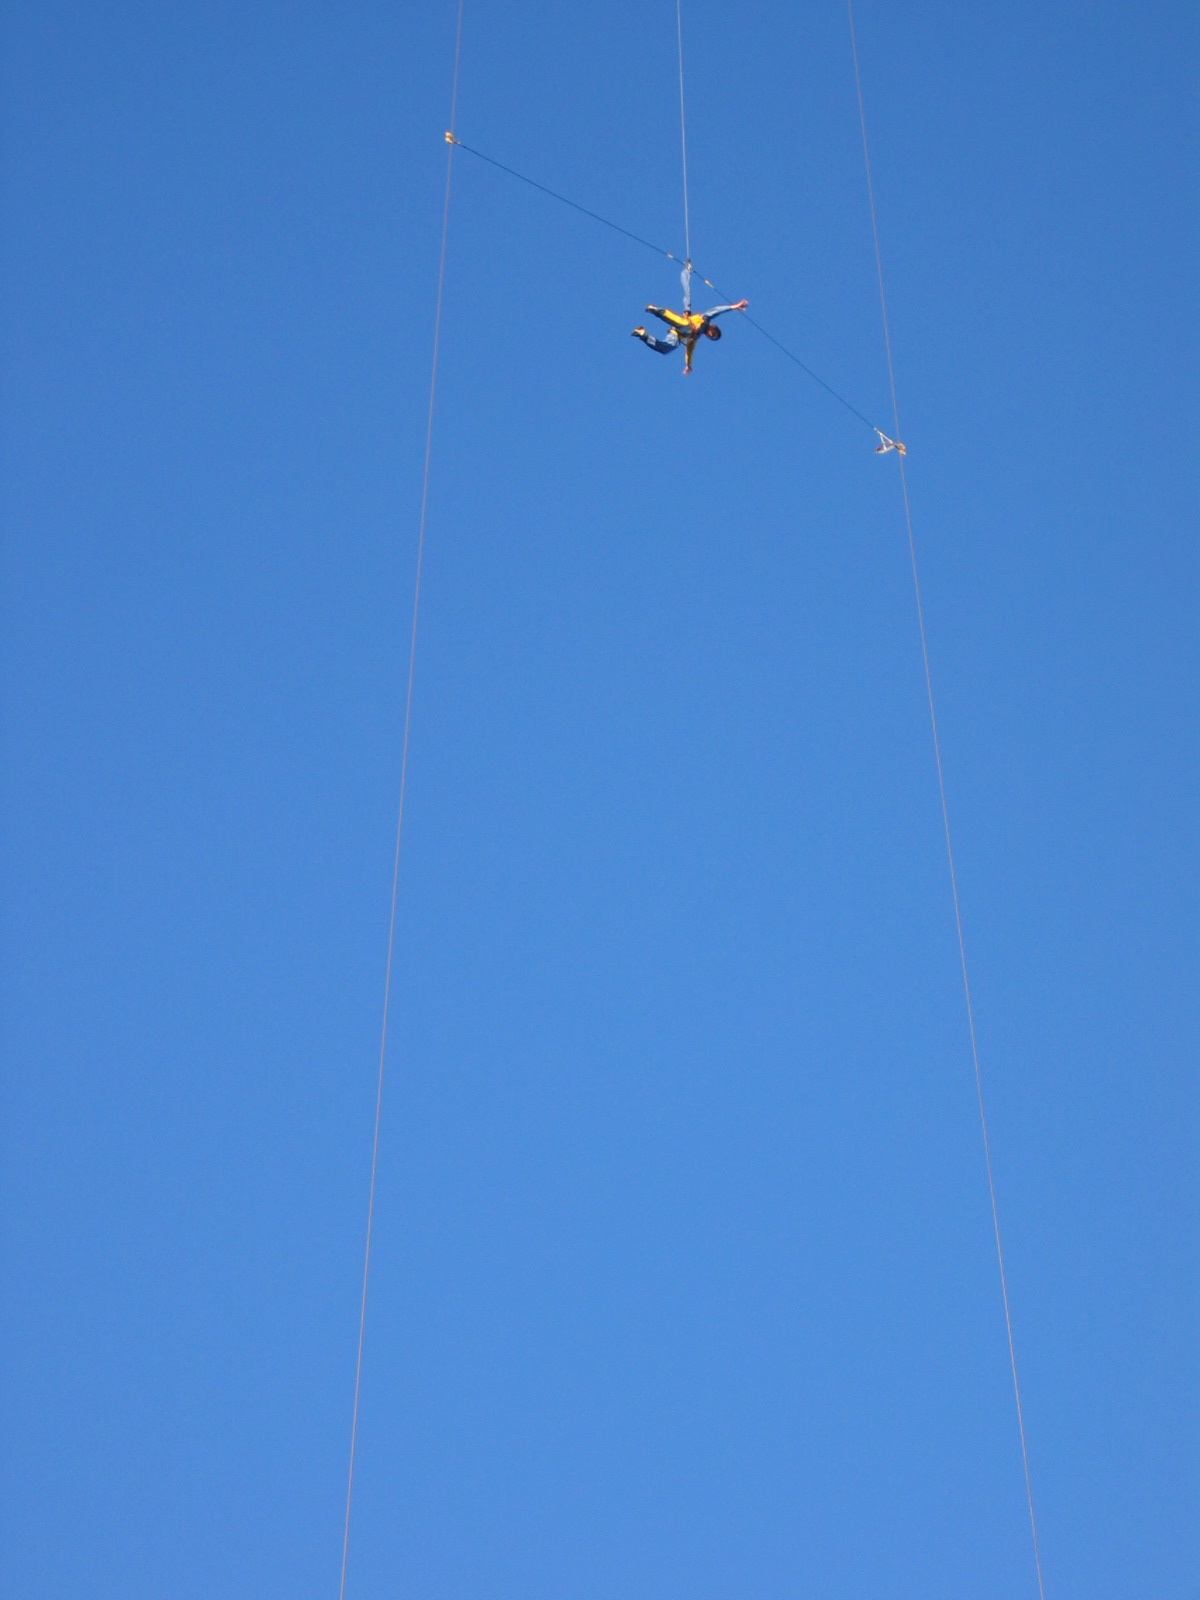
{"x":719,"y":311}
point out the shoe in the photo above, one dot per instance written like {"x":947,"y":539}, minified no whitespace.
{"x":639,"y":333}
{"x":653,"y":310}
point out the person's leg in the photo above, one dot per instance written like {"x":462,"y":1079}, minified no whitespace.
{"x":672,"y":319}
{"x":663,"y":346}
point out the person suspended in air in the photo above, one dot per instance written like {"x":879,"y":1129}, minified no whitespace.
{"x":688,"y":327}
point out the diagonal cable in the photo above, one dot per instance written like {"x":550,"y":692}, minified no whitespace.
{"x":391,"y":944}
{"x":669,"y":255}
{"x":561,"y":198}
{"x":937,"y":751}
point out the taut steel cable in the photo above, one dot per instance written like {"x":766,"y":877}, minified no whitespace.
{"x":408,"y":700}
{"x":937,"y":752}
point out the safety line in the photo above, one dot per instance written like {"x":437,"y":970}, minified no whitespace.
{"x":554,"y":195}
{"x":412,"y":661}
{"x":668,"y":255}
{"x":937,"y":751}
{"x":687,"y":230}
{"x":815,"y":376}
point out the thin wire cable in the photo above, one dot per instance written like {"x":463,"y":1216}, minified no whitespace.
{"x":391,"y":944}
{"x":815,"y":376}
{"x":937,"y":751}
{"x":574,"y":205}
{"x":668,"y":255}
{"x":687,"y":230}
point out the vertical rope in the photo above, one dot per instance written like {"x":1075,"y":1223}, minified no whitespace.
{"x":687,"y":231}
{"x":412,"y":662}
{"x":937,"y":752}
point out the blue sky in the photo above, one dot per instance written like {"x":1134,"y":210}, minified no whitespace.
{"x":684,"y":1282}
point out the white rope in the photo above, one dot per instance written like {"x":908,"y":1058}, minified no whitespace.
{"x":412,"y":661}
{"x":687,"y":232}
{"x":937,"y":751}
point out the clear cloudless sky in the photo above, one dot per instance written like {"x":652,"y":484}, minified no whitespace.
{"x":684,"y":1285}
